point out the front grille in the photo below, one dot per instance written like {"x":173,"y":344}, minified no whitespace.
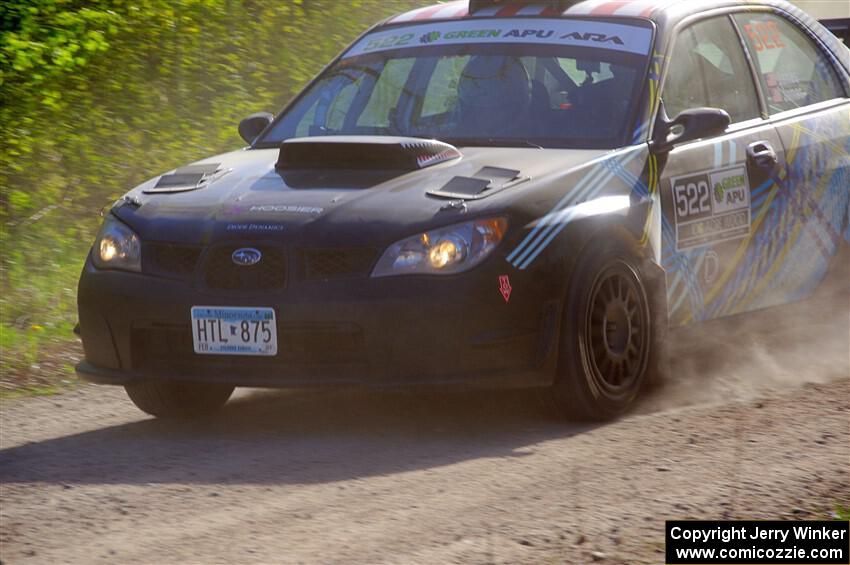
{"x":221,"y":273}
{"x":338,"y":263}
{"x":167,"y":260}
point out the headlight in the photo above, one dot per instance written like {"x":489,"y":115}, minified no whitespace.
{"x":443,"y":251}
{"x":117,"y":247}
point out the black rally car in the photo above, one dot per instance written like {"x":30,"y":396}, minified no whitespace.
{"x":492,"y":193}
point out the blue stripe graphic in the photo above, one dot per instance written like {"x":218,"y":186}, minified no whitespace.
{"x":547,"y":223}
{"x":591,"y":184}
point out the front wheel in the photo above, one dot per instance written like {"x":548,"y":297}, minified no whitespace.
{"x":172,"y":399}
{"x":606,"y":337}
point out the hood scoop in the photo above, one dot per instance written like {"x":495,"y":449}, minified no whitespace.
{"x":487,"y":181}
{"x":356,"y":161}
{"x":191,"y":177}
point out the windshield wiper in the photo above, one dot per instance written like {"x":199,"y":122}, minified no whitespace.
{"x":490,"y":142}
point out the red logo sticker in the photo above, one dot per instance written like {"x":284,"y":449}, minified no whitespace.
{"x":505,"y":287}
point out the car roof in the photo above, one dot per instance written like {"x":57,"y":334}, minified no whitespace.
{"x":649,"y":9}
{"x":666,"y":14}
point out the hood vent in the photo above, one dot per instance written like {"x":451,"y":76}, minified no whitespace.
{"x":487,"y":181}
{"x":186,"y":178}
{"x":375,"y":153}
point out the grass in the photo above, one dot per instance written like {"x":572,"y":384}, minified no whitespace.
{"x":46,"y":390}
{"x":40,"y":267}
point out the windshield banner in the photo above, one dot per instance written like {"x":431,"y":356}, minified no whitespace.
{"x":578,"y":33}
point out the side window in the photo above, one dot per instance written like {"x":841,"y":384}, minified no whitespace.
{"x":708,"y":68}
{"x":586,"y":72}
{"x":441,"y":94}
{"x":386,"y":94}
{"x":328,"y":112}
{"x":793,"y":71}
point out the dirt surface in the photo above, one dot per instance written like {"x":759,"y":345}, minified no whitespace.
{"x":53,"y":372}
{"x":754,"y":423}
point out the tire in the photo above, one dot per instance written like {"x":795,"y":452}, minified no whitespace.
{"x":172,"y":399}
{"x":606,"y":337}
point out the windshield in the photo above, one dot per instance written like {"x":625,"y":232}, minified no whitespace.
{"x":506,"y":82}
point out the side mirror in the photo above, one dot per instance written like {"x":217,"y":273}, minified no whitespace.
{"x":253,"y":125}
{"x":690,"y":125}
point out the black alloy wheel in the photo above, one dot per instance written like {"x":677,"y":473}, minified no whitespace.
{"x":606,"y":336}
{"x":615,"y":337}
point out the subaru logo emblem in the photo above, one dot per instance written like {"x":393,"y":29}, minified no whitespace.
{"x":246,"y":256}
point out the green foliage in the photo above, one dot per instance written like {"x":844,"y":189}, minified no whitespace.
{"x":98,"y":95}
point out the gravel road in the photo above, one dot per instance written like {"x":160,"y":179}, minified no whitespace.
{"x":755,"y":423}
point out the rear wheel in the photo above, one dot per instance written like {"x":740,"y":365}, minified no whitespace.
{"x":606,"y":337}
{"x":171,"y":399}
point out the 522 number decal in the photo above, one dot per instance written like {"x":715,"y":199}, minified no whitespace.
{"x":710,"y":207}
{"x":388,"y":42}
{"x":692,"y":197}
{"x":764,"y":35}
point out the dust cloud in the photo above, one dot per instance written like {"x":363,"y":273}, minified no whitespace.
{"x":742,"y":356}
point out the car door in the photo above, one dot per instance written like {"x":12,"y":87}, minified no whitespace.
{"x":707,"y":187}
{"x":806,"y":211}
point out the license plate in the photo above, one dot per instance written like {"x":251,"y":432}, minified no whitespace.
{"x":222,"y":330}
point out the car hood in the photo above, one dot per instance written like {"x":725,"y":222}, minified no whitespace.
{"x":247,"y":198}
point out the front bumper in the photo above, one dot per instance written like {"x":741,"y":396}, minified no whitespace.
{"x":386,"y":331}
